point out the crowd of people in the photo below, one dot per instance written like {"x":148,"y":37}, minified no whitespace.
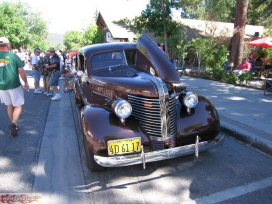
{"x":37,"y":61}
{"x":249,"y":64}
{"x":46,"y":65}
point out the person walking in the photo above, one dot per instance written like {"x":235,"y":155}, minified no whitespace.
{"x":54,"y":68}
{"x":36,"y":70}
{"x":11,"y":91}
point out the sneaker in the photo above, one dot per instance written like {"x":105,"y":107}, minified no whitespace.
{"x":49,"y":94}
{"x":61,"y":78}
{"x":45,"y":93}
{"x":13,"y":129}
{"x":56,"y":97}
{"x":37,"y":91}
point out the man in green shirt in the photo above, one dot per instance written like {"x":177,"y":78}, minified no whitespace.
{"x":11,"y":92}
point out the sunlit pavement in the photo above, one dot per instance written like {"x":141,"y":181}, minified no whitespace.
{"x":245,"y":113}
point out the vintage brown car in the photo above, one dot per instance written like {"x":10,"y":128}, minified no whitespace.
{"x":135,"y":110}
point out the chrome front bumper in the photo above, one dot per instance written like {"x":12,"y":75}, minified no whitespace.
{"x":144,"y":157}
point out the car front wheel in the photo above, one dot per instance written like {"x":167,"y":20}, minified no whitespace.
{"x":91,"y":163}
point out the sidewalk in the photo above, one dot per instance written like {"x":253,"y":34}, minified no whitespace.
{"x":245,"y":113}
{"x":59,"y":173}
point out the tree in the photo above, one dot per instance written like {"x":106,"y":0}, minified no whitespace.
{"x":73,"y":40}
{"x":92,"y":35}
{"x":259,"y":12}
{"x":157,"y":18}
{"x":214,"y":10}
{"x":237,"y":44}
{"x":23,"y":28}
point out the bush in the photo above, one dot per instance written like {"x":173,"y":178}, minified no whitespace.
{"x":218,"y":74}
{"x":245,"y":77}
{"x":229,"y":78}
{"x":206,"y":75}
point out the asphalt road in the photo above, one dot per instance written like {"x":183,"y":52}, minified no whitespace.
{"x":18,"y":155}
{"x":232,"y":173}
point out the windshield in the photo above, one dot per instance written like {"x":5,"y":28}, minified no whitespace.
{"x":109,"y":60}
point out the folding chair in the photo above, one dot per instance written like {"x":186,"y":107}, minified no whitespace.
{"x":268,"y":85}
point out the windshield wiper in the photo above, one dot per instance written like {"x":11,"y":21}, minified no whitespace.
{"x":118,"y":65}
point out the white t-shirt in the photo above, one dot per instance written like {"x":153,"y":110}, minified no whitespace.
{"x":61,"y":60}
{"x":34,"y":60}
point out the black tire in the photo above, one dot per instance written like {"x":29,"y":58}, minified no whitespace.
{"x":91,"y":163}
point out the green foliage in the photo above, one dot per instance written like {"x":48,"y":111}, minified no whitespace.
{"x":245,"y":77}
{"x":43,"y":45}
{"x":209,"y":52}
{"x":92,"y":35}
{"x":220,"y":74}
{"x":258,"y":13}
{"x":215,"y":10}
{"x":21,"y":27}
{"x":229,"y":77}
{"x":73,"y":40}
{"x":155,"y":18}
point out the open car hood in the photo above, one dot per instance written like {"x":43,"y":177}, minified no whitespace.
{"x":157,"y":59}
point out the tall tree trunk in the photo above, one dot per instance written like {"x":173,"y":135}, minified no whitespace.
{"x":164,"y":28}
{"x":237,"y":45}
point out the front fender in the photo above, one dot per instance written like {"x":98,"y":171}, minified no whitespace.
{"x":203,"y":120}
{"x":100,"y":124}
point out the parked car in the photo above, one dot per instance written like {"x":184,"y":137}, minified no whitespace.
{"x":135,"y":110}
{"x":71,"y":57}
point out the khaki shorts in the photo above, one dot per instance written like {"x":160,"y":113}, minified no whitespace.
{"x":45,"y":79}
{"x":13,"y":97}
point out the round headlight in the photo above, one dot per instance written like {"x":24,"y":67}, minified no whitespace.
{"x":190,"y":100}
{"x":122,"y":108}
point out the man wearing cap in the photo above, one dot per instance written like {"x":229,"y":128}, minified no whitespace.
{"x":11,"y":92}
{"x":36,"y":70}
{"x":54,"y":68}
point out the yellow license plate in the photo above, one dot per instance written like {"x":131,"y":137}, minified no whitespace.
{"x":124,"y":146}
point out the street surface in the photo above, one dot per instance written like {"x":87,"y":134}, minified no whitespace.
{"x":232,"y":173}
{"x":47,"y":157}
{"x":19,"y":155}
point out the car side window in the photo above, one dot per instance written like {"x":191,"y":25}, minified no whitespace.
{"x":130,"y":56}
{"x":81,"y":62}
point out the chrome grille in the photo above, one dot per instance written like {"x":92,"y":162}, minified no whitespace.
{"x":148,"y":112}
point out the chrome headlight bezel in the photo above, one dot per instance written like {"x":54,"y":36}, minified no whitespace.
{"x":189,"y":99}
{"x":122,"y":108}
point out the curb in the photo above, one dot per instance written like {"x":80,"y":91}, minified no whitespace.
{"x":250,"y":139}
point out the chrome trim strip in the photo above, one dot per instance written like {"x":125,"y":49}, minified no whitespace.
{"x":159,"y":155}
